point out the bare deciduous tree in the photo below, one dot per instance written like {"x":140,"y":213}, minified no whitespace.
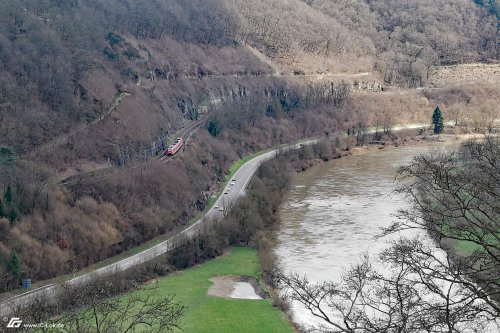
{"x":422,"y":284}
{"x":455,"y":198}
{"x":94,"y":307}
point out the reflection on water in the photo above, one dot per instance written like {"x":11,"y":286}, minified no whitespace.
{"x":333,"y":212}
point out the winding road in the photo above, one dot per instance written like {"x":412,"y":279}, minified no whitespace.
{"x":234,"y":189}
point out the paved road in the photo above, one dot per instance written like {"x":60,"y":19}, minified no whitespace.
{"x":235,"y":188}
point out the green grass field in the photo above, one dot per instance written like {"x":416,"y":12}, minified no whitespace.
{"x":466,"y":247}
{"x":213,"y":314}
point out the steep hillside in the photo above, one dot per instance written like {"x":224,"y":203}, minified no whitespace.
{"x":399,"y":39}
{"x":106,"y":84}
{"x":65,"y":63}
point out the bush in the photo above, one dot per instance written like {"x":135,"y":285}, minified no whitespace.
{"x":113,"y":38}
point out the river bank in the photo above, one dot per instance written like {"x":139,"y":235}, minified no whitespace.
{"x":333,"y":211}
{"x":215,"y":311}
{"x":315,"y":208}
{"x":299,"y":160}
{"x":263,"y":197}
{"x":404,"y":138}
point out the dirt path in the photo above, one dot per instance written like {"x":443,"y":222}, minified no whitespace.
{"x":62,"y":139}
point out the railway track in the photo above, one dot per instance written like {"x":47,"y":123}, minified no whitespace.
{"x":234,"y":190}
{"x":184,"y":133}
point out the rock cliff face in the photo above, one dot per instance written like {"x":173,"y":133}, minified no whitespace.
{"x":65,"y":64}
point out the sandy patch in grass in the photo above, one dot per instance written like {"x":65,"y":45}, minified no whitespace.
{"x":235,"y":286}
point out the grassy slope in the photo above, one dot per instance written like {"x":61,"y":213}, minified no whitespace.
{"x":213,"y":314}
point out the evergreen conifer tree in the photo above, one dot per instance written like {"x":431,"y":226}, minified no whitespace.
{"x":8,"y":194}
{"x":14,"y":265}
{"x":437,"y":120}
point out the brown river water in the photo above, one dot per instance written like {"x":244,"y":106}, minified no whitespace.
{"x":333,"y":211}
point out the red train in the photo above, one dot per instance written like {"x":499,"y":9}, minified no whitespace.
{"x":174,"y":147}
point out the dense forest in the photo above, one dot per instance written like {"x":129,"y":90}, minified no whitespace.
{"x":96,"y":84}
{"x":49,"y":50}
{"x":400,"y":39}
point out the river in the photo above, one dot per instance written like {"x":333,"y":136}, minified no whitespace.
{"x":334,"y":210}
